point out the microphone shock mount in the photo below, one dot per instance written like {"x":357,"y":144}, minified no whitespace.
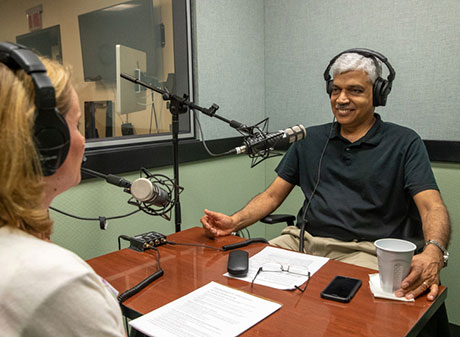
{"x":165,"y":183}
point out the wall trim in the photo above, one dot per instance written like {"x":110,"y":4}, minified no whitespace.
{"x":131,"y":158}
{"x":443,"y":151}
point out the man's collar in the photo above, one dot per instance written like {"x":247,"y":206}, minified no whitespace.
{"x":373,"y":136}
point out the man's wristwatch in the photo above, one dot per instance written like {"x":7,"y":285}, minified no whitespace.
{"x":445,"y":253}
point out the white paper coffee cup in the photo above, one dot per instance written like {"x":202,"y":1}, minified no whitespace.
{"x":394,"y":259}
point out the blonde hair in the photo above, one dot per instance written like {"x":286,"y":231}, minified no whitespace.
{"x":21,"y":178}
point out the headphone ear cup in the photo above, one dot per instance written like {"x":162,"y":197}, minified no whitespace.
{"x":376,"y":92}
{"x":329,"y":85}
{"x":52,"y":139}
{"x":378,"y":95}
{"x":51,"y":133}
{"x":385,"y":91}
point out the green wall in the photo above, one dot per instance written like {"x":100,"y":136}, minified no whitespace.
{"x":448,"y":178}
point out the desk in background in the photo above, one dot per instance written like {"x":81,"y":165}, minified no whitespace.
{"x":186,"y":268}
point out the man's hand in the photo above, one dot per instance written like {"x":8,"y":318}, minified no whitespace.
{"x":423,"y":275}
{"x":217,"y":224}
{"x":425,"y":268}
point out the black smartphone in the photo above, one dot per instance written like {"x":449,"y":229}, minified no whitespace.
{"x":341,"y":289}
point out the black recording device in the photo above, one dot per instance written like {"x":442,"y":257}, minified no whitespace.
{"x":51,"y":132}
{"x":142,"y":242}
{"x":341,"y":289}
{"x":238,"y":263}
{"x":381,"y":88}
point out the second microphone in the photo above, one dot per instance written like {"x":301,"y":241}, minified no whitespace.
{"x":271,"y":141}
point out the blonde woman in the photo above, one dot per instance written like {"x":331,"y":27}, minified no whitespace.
{"x":45,"y":290}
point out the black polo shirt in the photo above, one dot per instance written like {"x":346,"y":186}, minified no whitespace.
{"x":366,"y":187}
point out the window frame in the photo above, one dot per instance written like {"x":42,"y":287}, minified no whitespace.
{"x":124,"y":154}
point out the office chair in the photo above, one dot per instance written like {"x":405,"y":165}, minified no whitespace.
{"x":277,"y":218}
{"x":273,"y":219}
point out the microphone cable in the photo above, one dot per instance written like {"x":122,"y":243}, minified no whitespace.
{"x":156,"y":275}
{"x":244,"y":243}
{"x":304,"y":223}
{"x":193,"y":245}
{"x":204,"y":142}
{"x":141,"y":285}
{"x":102,"y":219}
{"x":241,"y":234}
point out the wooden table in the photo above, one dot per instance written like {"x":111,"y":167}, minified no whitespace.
{"x":187,"y":268}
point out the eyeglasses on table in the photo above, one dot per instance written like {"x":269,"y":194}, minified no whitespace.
{"x":283,"y":268}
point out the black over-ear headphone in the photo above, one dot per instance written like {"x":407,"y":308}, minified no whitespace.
{"x":381,"y":88}
{"x":51,"y":132}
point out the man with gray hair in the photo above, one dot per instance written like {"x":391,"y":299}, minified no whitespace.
{"x":363,"y":179}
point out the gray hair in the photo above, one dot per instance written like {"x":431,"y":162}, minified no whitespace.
{"x":354,"y":61}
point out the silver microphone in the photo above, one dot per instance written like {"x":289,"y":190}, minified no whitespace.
{"x":272,"y":141}
{"x":149,"y":193}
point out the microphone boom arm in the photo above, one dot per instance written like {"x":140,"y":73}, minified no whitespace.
{"x":110,"y":178}
{"x":180,"y":104}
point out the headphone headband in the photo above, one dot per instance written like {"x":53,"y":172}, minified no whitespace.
{"x":381,"y":87}
{"x":51,"y":132}
{"x":16,"y":56}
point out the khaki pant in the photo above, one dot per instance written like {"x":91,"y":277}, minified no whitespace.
{"x":359,"y":253}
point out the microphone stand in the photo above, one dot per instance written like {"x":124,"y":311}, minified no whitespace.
{"x":179,"y":105}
